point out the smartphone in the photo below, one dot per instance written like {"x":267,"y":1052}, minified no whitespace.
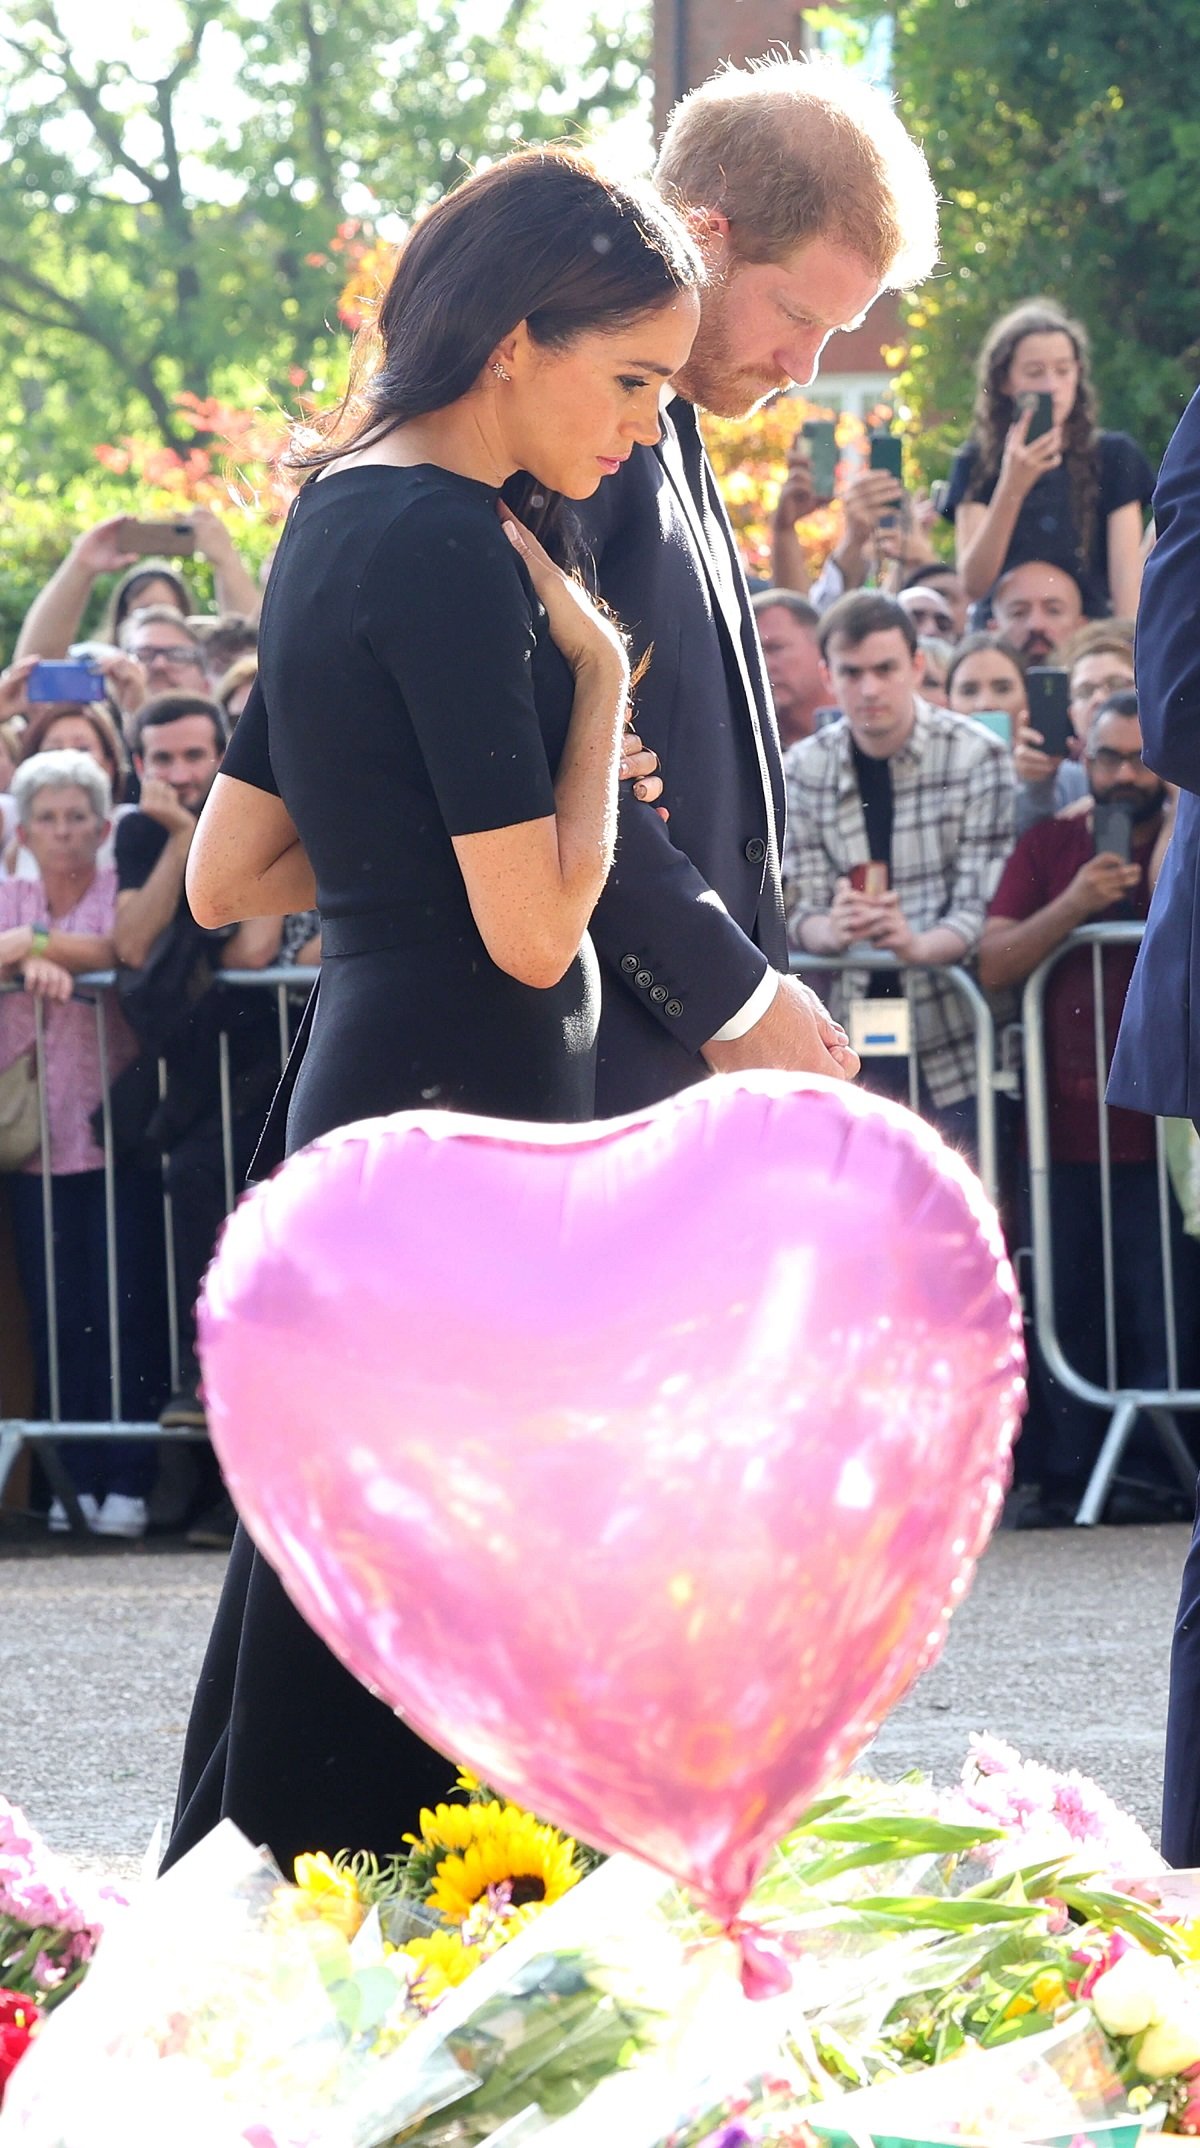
{"x":65,"y":682}
{"x":821,"y":437}
{"x":887,"y":453}
{"x":1043,"y":414}
{"x":1049,"y":693}
{"x":998,"y":722}
{"x":174,"y":539}
{"x":1112,"y":828}
{"x":870,"y":880}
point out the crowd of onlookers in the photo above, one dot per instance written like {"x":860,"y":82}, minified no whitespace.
{"x":965,"y":789}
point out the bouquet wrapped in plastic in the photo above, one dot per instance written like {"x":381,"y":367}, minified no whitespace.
{"x":218,"y":2014}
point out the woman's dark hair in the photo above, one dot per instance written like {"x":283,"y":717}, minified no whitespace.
{"x":996,"y":411}
{"x":121,"y":602}
{"x":541,"y":238}
{"x":971,"y":644}
{"x":102,"y":727}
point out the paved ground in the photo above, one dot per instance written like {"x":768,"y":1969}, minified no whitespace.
{"x":1062,"y":1648}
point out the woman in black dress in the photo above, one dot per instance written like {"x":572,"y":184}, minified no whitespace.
{"x":432,"y":758}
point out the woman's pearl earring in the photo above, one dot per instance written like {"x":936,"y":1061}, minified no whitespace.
{"x":499,"y":370}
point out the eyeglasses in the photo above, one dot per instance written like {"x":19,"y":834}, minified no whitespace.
{"x":189,"y":655}
{"x":1108,"y":759}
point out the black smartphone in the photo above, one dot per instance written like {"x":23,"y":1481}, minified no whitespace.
{"x":1049,"y":694}
{"x":1112,"y":829}
{"x":887,"y":453}
{"x":65,"y":682}
{"x":1043,"y":414}
{"x":820,"y":435}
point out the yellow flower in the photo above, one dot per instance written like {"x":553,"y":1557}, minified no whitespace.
{"x":440,"y":1960}
{"x":1049,"y":1990}
{"x":505,"y":1848}
{"x":326,"y":1892}
{"x":1022,"y":2004}
{"x":466,"y":1781}
{"x":454,"y":1827}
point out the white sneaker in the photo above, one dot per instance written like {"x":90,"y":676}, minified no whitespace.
{"x":121,"y":1516}
{"x":58,"y":1521}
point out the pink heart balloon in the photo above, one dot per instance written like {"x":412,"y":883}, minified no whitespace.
{"x":638,"y":1465}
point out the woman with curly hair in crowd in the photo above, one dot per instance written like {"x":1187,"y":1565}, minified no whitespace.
{"x":1075,"y":496}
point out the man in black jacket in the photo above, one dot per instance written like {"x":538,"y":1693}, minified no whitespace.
{"x":808,"y":198}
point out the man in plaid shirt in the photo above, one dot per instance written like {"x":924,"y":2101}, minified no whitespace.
{"x":927,"y":794}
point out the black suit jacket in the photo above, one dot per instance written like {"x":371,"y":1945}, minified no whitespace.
{"x":1156,"y":1065}
{"x":692,"y":915}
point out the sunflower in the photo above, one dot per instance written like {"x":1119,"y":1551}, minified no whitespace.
{"x":325,"y":1891}
{"x":455,"y":1827}
{"x":439,"y":1960}
{"x":501,"y":1847}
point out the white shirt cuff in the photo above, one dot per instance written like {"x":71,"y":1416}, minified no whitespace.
{"x":762,"y":997}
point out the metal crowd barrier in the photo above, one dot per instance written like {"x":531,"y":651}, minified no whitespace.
{"x":287,"y":983}
{"x":987,"y":1077}
{"x":1124,"y":1403}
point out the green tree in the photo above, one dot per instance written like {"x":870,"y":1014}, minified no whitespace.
{"x":165,"y":217}
{"x":1065,"y":143}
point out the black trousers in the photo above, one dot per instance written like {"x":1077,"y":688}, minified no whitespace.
{"x":1181,"y":1770}
{"x":195,"y":1179}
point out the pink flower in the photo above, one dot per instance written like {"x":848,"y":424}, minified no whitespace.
{"x":1096,"y":1959}
{"x":1187,"y":2120}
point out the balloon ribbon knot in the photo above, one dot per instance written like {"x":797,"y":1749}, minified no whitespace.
{"x":764,"y":1967}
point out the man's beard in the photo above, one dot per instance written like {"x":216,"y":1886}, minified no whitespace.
{"x":1141,"y":805}
{"x":712,"y":378}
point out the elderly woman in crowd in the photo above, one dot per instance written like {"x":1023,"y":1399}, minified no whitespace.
{"x":84,"y":727}
{"x":52,"y":929}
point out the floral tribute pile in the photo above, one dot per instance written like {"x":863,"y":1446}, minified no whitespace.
{"x":49,"y":1928}
{"x":1005,"y":1961}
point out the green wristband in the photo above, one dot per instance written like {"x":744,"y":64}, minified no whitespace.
{"x":40,"y":941}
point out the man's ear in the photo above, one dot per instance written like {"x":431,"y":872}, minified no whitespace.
{"x":827,"y":678}
{"x":710,"y":229}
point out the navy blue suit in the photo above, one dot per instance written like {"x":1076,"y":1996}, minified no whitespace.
{"x":1156,"y":1066}
{"x":692,"y":915}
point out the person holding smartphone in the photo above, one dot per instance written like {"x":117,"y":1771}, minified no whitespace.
{"x":1071,"y":870}
{"x":1038,"y":479}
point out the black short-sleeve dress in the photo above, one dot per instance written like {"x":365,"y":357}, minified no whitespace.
{"x":409,"y":692}
{"x":1045,"y":527}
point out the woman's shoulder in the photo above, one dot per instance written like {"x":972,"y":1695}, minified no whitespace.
{"x":435,"y":532}
{"x":404,"y":505}
{"x":1125,"y":470}
{"x":963,"y":472}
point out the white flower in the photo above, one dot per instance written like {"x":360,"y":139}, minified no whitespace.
{"x":1170,"y":2046}
{"x":1139,"y":1990}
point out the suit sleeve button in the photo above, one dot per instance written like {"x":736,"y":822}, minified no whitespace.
{"x":658,"y":994}
{"x":756,"y":850}
{"x":644,"y":978}
{"x":674,"y":1006}
{"x":629,"y":964}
